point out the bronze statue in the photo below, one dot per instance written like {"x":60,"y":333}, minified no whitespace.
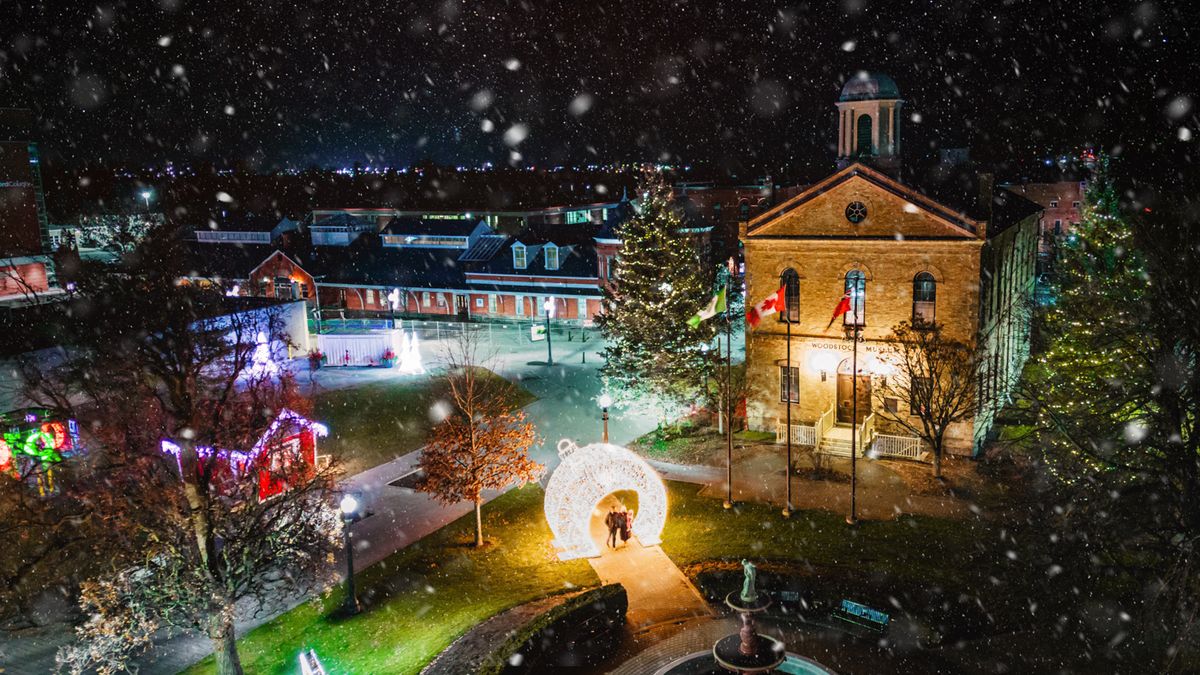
{"x":749,"y":595}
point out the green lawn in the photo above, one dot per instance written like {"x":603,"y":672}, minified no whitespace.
{"x":378,"y":422}
{"x":699,"y":528}
{"x":422,"y":598}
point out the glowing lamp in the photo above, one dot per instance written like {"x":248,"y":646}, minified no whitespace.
{"x":548,"y":305}
{"x":822,"y":362}
{"x":349,"y":505}
{"x":589,"y":474}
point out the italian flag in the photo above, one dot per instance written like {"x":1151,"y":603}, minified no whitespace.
{"x":713,"y":308}
{"x":773,"y":303}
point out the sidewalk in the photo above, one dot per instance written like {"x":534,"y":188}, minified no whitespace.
{"x":881,"y":493}
{"x":658,"y":591}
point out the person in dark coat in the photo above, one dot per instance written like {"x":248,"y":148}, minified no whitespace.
{"x":626,"y":526}
{"x":611,"y":522}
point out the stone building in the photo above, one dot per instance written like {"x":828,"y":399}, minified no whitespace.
{"x":949,"y":248}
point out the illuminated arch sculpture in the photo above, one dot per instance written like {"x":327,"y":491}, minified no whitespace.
{"x":584,"y":477}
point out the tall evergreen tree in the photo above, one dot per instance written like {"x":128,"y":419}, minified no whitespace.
{"x":1117,"y":391}
{"x":660,"y":283}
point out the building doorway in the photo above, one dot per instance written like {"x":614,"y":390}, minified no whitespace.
{"x":845,"y":392}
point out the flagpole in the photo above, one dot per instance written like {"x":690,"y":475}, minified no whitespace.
{"x":728,"y":407}
{"x":787,"y":506}
{"x":853,"y":517}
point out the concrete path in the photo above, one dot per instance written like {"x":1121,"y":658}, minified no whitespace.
{"x":881,"y":493}
{"x":658,"y":591}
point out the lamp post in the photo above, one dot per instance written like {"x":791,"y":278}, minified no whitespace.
{"x":349,"y":508}
{"x":604,"y":401}
{"x":146,"y":198}
{"x":852,"y":519}
{"x":548,"y":305}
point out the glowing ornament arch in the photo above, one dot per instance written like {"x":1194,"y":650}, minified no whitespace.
{"x":584,"y":477}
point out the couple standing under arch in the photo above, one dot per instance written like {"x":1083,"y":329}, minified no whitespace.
{"x":619,"y":523}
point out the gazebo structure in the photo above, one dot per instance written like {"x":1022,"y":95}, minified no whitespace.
{"x":286,"y":449}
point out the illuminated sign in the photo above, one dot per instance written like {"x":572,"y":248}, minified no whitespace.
{"x":34,"y":440}
{"x":577,"y":217}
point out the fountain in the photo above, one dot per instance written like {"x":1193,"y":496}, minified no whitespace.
{"x":748,"y":651}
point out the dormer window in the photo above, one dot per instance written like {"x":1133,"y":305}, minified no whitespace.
{"x":518,"y":250}
{"x":551,"y":252}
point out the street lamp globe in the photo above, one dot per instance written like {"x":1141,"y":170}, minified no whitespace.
{"x":349,"y":505}
{"x":548,"y":305}
{"x":605,"y":400}
{"x":146,"y":194}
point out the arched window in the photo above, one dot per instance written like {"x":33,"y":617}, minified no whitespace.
{"x":790,"y":281}
{"x":856,"y":287}
{"x":924,"y":299}
{"x":864,"y":145}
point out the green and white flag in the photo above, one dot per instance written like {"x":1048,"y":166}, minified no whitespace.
{"x":714,"y":307}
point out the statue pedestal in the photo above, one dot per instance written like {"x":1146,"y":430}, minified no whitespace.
{"x":748,"y":651}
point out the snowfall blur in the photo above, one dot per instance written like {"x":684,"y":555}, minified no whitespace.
{"x":626,"y":337}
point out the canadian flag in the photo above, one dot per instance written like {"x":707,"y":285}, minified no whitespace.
{"x":843,"y":307}
{"x":773,"y":303}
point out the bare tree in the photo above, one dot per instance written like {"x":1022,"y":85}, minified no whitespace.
{"x":482,"y":443}
{"x":152,"y":359}
{"x":935,"y":384}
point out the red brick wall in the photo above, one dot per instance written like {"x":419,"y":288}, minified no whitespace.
{"x":279,"y":266}
{"x":21,"y":279}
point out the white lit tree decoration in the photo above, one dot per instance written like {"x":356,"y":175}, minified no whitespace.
{"x":587,"y":475}
{"x":410,"y":355}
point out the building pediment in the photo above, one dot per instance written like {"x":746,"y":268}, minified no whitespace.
{"x":859,"y":202}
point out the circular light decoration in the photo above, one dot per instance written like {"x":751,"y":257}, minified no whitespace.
{"x":584,"y":477}
{"x":856,"y":212}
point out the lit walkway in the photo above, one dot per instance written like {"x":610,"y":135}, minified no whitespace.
{"x":658,"y":592}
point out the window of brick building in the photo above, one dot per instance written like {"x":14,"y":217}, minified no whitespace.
{"x":924,"y":299}
{"x":856,"y":287}
{"x":789,"y":383}
{"x":790,"y":281}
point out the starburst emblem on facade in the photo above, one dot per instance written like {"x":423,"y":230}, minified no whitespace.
{"x":856,"y":212}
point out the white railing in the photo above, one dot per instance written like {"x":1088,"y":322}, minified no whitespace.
{"x":866,"y":432}
{"x":802,"y":434}
{"x":825,"y":423}
{"x":906,"y":447}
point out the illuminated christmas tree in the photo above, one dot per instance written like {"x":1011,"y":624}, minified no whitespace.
{"x":1117,"y":394}
{"x":660,"y":283}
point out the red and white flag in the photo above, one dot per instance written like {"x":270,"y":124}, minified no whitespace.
{"x":773,"y":303}
{"x":843,"y":307}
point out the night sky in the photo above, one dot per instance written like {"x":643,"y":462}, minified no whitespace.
{"x":269,"y":83}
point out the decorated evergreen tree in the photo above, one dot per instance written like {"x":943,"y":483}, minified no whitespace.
{"x":1117,"y":392}
{"x":660,"y":283}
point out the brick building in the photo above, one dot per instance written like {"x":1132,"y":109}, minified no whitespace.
{"x":1062,"y":207}
{"x":25,"y":270}
{"x":386,"y":262}
{"x":949,"y":248}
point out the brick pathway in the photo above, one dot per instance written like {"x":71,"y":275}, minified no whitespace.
{"x":658,"y":591}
